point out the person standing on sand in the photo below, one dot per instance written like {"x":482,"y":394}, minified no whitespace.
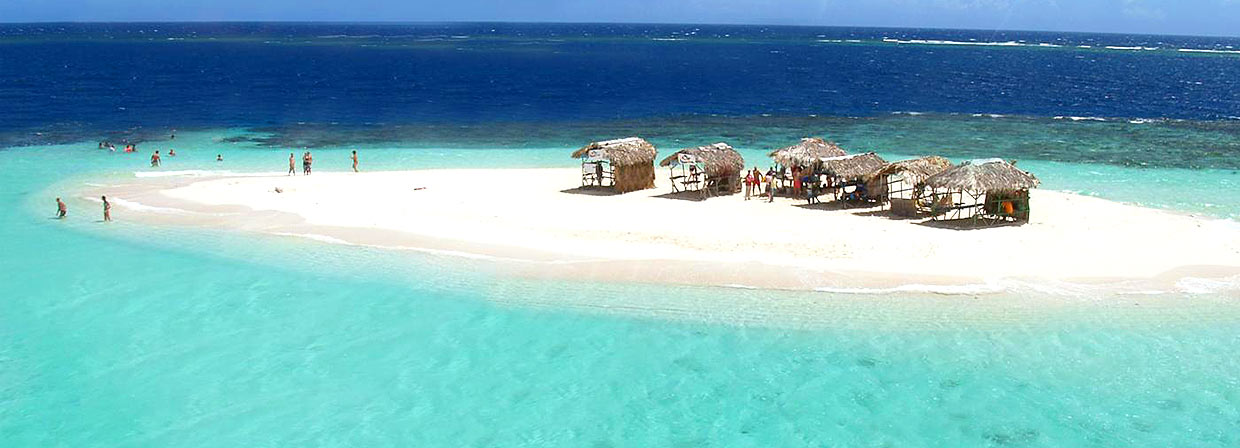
{"x":749,"y":185}
{"x":770,"y":190}
{"x":354,"y":160}
{"x":107,"y":210}
{"x":155,"y":160}
{"x":292,"y":166}
{"x":61,"y":209}
{"x":757,"y":174}
{"x":796,"y":181}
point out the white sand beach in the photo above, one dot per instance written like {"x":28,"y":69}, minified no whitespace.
{"x":537,"y":223}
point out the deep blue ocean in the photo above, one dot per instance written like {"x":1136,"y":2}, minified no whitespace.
{"x":77,"y":78}
{"x":132,"y":334}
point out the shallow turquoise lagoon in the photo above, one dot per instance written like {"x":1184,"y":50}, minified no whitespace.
{"x":127,"y":335}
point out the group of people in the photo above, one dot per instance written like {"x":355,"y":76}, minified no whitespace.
{"x":755,"y":181}
{"x":307,"y":163}
{"x":62,"y":209}
{"x":129,"y":147}
{"x":804,"y":183}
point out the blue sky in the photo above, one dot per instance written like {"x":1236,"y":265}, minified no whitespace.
{"x":1198,"y":17}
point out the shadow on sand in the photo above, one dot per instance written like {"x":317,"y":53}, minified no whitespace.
{"x":885,"y":213}
{"x":838,"y":205}
{"x":695,"y":196}
{"x":592,"y":191}
{"x":967,"y":224}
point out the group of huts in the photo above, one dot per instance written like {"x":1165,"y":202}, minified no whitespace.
{"x":982,"y":191}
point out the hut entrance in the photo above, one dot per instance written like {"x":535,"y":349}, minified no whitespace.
{"x":905,"y":192}
{"x":902,"y":195}
{"x":851,"y":178}
{"x":597,"y":172}
{"x":686,"y":174}
{"x":712,"y":169}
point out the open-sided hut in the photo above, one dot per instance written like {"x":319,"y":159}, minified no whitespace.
{"x":903,"y":181}
{"x":851,"y":173}
{"x":625,"y":164}
{"x":714,"y":169}
{"x":988,"y":191}
{"x":803,"y":156}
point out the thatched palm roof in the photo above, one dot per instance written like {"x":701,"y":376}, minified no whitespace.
{"x":623,"y":151}
{"x":983,"y":176}
{"x":718,"y":159}
{"x":916,"y":170}
{"x":806,"y":152}
{"x":854,"y":166}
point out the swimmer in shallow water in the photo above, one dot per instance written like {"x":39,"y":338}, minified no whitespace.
{"x":107,"y":210}
{"x":219,"y":157}
{"x":61,"y":209}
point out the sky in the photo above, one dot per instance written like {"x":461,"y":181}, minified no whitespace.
{"x":1190,"y":17}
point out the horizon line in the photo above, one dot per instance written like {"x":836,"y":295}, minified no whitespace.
{"x":447,"y":22}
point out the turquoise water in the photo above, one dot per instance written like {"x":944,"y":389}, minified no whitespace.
{"x":129,"y":335}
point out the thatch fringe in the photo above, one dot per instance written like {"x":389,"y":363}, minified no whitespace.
{"x":632,"y":160}
{"x":854,"y":166}
{"x":983,"y":176}
{"x":917,"y":170}
{"x":621,"y":151}
{"x":718,"y":160}
{"x":806,"y":152}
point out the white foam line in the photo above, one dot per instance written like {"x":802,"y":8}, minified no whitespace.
{"x":451,"y":253}
{"x":983,"y":288}
{"x":954,"y":42}
{"x":1202,"y":50}
{"x":202,"y":173}
{"x":315,"y":237}
{"x":132,"y":205}
{"x":1195,"y":285}
{"x":1150,"y":292}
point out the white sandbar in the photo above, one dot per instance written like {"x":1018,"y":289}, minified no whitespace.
{"x":538,"y":218}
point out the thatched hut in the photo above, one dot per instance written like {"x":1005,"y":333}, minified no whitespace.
{"x":805,"y":153}
{"x":986,"y":191}
{"x":714,"y":169}
{"x":903,"y":181}
{"x":793,"y":161}
{"x":853,"y":166}
{"x":851,"y":173}
{"x":625,"y":164}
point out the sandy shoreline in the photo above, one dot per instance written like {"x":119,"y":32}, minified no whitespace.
{"x":535,"y":223}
